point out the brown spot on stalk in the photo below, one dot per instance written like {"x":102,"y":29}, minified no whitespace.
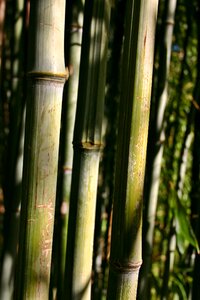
{"x":145,"y":38}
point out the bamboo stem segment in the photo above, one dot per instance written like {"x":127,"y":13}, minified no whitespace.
{"x":73,"y":35}
{"x":87,"y":145}
{"x":46,"y":78}
{"x":126,"y":238}
{"x":157,"y":147}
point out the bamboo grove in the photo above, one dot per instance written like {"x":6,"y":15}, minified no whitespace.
{"x":99,"y":149}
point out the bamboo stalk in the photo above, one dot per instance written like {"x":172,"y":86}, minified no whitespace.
{"x":14,"y":154}
{"x":87,"y":145}
{"x":74,"y":40}
{"x":107,"y":166}
{"x":126,"y":239}
{"x":157,"y":145}
{"x":46,"y":77}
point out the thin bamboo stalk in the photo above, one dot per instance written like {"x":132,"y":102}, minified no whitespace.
{"x":87,"y":145}
{"x":46,"y":77}
{"x":172,"y":238}
{"x":187,"y":141}
{"x":107,"y":166}
{"x":169,"y":262}
{"x":172,"y":164}
{"x":126,"y":238}
{"x":14,"y":158}
{"x":74,"y":41}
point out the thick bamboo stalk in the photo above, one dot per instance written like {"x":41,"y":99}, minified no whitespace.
{"x":157,"y":146}
{"x":87,"y":145}
{"x":46,"y":77}
{"x":126,"y":239}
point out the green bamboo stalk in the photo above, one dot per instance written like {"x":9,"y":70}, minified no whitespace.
{"x":46,"y":77}
{"x":126,"y":238}
{"x":87,"y":145}
{"x":158,"y":144}
{"x":74,"y":40}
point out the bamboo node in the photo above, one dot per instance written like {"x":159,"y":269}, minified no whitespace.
{"x":169,"y":22}
{"x":67,"y":170}
{"x":49,"y":76}
{"x":125,"y":267}
{"x":88,"y":146}
{"x":76,"y":27}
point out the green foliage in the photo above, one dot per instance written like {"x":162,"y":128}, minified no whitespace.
{"x":178,"y":287}
{"x":185,"y":233}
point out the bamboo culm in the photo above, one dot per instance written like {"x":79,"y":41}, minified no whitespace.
{"x":73,"y":33}
{"x":87,"y":145}
{"x":126,"y":238}
{"x":157,"y":145}
{"x":46,"y":78}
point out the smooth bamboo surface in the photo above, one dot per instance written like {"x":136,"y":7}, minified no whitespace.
{"x":87,"y":145}
{"x":73,"y":34}
{"x":126,"y":238}
{"x":157,"y":146}
{"x":46,"y":78}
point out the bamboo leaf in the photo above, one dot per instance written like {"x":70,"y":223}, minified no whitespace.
{"x":179,"y":286}
{"x":185,"y":233}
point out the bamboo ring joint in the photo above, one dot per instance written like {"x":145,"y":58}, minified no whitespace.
{"x":125,"y":267}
